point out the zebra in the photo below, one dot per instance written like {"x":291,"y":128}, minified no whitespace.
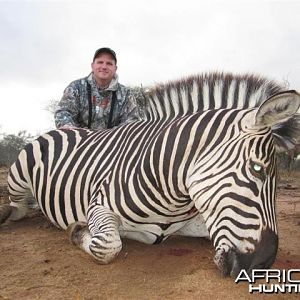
{"x":201,"y":163}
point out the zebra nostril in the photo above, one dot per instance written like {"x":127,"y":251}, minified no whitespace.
{"x":249,"y":250}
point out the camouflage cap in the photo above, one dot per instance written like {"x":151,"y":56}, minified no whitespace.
{"x":105,"y":50}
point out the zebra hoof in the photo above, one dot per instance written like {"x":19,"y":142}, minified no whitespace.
{"x":5,"y":212}
{"x":75,"y":232}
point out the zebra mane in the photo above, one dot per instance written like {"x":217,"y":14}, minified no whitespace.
{"x":208,"y":91}
{"x":218,"y":90}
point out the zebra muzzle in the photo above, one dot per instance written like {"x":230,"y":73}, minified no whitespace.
{"x":231,"y":262}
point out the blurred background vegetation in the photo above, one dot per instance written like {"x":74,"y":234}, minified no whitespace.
{"x":11,"y":145}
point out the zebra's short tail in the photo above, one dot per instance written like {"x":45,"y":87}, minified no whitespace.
{"x":19,"y":189}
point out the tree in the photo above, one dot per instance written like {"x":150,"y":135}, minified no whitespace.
{"x":52,"y":106}
{"x":11,"y":145}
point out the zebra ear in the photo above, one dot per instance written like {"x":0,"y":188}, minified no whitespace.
{"x":277,"y":109}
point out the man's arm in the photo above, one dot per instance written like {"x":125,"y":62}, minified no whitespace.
{"x":130,"y":111}
{"x":68,"y":110}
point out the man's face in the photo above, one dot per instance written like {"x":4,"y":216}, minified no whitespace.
{"x":104,"y":68}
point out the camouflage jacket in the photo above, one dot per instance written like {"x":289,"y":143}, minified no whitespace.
{"x":73,"y":109}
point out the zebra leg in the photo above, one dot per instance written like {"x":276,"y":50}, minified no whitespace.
{"x":101,"y":238}
{"x":13,"y":211}
{"x":5,"y":212}
{"x":80,"y":236}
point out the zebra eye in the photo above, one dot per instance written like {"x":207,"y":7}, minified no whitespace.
{"x":257,"y":170}
{"x":257,"y":167}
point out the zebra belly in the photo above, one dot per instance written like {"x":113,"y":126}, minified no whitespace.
{"x":195,"y":228}
{"x":151,"y":233}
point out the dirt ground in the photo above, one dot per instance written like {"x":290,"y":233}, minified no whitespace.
{"x":38,"y":262}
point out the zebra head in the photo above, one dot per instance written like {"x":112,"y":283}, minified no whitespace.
{"x":233,"y":183}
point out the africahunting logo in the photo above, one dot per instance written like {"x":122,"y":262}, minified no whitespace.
{"x":276,"y":281}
